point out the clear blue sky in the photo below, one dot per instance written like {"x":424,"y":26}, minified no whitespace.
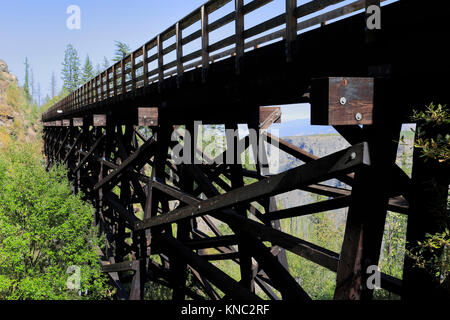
{"x":37,"y":30}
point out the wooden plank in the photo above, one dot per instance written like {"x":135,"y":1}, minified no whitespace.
{"x":148,"y":117}
{"x":212,"y":242}
{"x":121,"y":266}
{"x":312,"y":172}
{"x":66,"y":123}
{"x":99,"y":120}
{"x":268,"y":116}
{"x":77,"y":122}
{"x":342,"y":101}
{"x":311,"y":208}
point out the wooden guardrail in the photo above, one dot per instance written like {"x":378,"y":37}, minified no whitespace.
{"x":133,"y":71}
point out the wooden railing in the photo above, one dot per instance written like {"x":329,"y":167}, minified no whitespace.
{"x":133,"y":71}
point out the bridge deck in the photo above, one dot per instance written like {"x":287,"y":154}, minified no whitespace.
{"x":401,"y":52}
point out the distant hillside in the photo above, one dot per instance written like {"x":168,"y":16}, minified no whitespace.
{"x":18,"y":119}
{"x":300,"y":127}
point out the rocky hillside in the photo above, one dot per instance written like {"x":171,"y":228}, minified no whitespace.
{"x":18,"y":119}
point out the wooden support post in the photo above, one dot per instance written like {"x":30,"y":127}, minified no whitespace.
{"x":159,"y":43}
{"x":205,"y":42}
{"x":291,"y":27}
{"x":114,"y":70}
{"x":239,"y":24}
{"x":179,"y":49}
{"x":122,"y":76}
{"x":367,"y":213}
{"x":145,"y":64}
{"x":102,"y":90}
{"x":371,"y":34}
{"x":133,"y":72}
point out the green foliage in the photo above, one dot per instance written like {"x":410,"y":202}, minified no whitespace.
{"x":71,"y":69}
{"x":436,"y":246}
{"x":433,"y":135}
{"x":433,"y":138}
{"x":88,"y":70}
{"x":26,"y":86}
{"x":322,"y":230}
{"x":122,"y":50}
{"x":44,"y":229}
{"x":51,"y":102}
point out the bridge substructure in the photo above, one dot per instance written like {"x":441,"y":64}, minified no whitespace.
{"x":163,"y":219}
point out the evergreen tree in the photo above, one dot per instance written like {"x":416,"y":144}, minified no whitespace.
{"x":98,"y":69}
{"x":122,"y":50}
{"x":71,"y":69}
{"x":88,"y":70}
{"x":26,"y":85}
{"x":105,"y":63}
{"x":32,"y":86}
{"x":53,"y":85}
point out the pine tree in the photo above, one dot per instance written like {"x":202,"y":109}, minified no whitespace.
{"x":98,"y":69}
{"x":53,"y":85}
{"x":39,"y":94}
{"x":26,"y":85}
{"x":32,"y":86}
{"x":71,"y":69}
{"x":88,"y":70}
{"x":122,"y":50}
{"x":105,"y":63}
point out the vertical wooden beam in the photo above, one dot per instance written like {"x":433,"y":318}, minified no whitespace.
{"x":237,"y":181}
{"x":114,"y":79}
{"x":239,"y":23}
{"x":159,"y":43}
{"x":145,"y":64}
{"x":179,"y":49}
{"x":122,"y":76}
{"x":133,"y":72}
{"x":291,"y":27}
{"x":367,"y":213}
{"x":427,"y":214}
{"x":370,"y":34}
{"x":102,"y":90}
{"x":108,"y":86}
{"x":205,"y":42}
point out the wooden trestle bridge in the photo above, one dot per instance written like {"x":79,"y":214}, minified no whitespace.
{"x":114,"y":135}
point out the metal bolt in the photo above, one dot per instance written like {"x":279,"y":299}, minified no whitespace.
{"x":353,"y":156}
{"x":358,"y":116}
{"x":343,"y":100}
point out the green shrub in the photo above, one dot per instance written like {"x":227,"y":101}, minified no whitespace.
{"x":44,"y":229}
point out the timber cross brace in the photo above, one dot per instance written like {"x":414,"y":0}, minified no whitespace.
{"x":162,"y":219}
